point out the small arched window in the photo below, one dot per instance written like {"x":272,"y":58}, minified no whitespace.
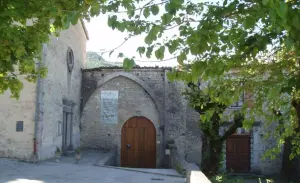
{"x":70,"y":59}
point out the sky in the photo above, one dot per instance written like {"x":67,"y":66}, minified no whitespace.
{"x":102,"y":38}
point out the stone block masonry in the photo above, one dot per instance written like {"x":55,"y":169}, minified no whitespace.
{"x":13,"y":143}
{"x":58,"y":85}
{"x":142,"y":92}
{"x":61,"y":84}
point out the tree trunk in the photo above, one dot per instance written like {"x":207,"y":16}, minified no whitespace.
{"x":214,"y":144}
{"x":211,"y":163}
{"x":289,"y":167}
{"x":205,"y":155}
{"x":215,"y":156}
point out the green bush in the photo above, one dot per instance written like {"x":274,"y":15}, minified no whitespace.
{"x":223,"y":178}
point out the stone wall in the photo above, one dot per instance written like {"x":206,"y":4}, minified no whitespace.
{"x":58,"y":85}
{"x":133,"y":101}
{"x":15,"y":144}
{"x":194,"y":136}
{"x":136,"y":98}
{"x":258,"y":146}
{"x":147,"y":92}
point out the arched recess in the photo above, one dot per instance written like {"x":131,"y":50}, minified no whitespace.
{"x":138,"y":143}
{"x":95,"y":134}
{"x":135,"y":79}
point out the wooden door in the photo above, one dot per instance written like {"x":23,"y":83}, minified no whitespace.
{"x":238,"y":153}
{"x":138,"y":143}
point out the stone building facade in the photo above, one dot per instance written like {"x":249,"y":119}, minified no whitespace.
{"x":147,"y":92}
{"x":33,"y":126}
{"x":142,"y":92}
{"x":64,"y":110}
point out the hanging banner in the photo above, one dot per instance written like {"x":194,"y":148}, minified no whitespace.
{"x":109,"y":106}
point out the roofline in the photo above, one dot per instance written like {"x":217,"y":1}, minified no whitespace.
{"x":84,"y":29}
{"x":121,"y":68}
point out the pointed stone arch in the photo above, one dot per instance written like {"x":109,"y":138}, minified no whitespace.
{"x":136,"y":80}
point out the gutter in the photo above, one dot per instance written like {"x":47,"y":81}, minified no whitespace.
{"x":37,"y":107}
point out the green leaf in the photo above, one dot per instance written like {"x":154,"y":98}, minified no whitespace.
{"x":265,"y":2}
{"x":166,"y":18}
{"x":159,"y":53}
{"x":282,"y":9}
{"x":112,"y":21}
{"x":146,"y":12}
{"x":95,"y":10}
{"x":189,"y":9}
{"x":149,"y":51}
{"x":288,"y":43}
{"x":296,"y":21}
{"x":141,"y":50}
{"x":178,"y":20}
{"x":154,"y":9}
{"x":249,"y":23}
{"x":128,"y":64}
{"x":121,"y":26}
{"x":272,"y":4}
{"x":172,"y":46}
{"x":181,"y":58}
{"x":152,"y":35}
{"x":120,"y":55}
{"x":177,"y":2}
{"x":65,"y":22}
{"x":130,"y":11}
{"x":74,"y":16}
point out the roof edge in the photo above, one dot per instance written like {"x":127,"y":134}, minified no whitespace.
{"x":116,"y":67}
{"x":84,"y":29}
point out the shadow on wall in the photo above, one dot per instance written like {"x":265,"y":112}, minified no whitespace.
{"x":179,"y":163}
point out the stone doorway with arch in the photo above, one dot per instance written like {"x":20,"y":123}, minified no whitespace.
{"x":137,"y":102}
{"x":138,"y":143}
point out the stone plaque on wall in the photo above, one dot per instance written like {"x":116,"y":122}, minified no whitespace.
{"x":109,"y":106}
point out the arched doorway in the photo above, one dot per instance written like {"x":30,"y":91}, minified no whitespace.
{"x":138,"y":143}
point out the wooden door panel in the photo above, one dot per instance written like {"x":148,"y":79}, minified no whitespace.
{"x":141,"y":134}
{"x":128,"y":152}
{"x":238,"y":153}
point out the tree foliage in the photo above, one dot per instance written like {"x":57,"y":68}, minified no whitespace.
{"x":237,"y":45}
{"x":24,"y":27}
{"x":211,"y":125}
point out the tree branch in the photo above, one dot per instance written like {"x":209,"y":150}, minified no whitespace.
{"x":125,"y":40}
{"x":145,"y":6}
{"x":237,"y":123}
{"x":167,"y":59}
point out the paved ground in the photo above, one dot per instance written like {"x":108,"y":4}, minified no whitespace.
{"x":49,"y":172}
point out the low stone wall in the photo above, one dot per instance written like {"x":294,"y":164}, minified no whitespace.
{"x":194,"y":176}
{"x":179,"y":163}
{"x":111,"y":161}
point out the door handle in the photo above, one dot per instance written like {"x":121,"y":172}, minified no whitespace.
{"x":128,"y":146}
